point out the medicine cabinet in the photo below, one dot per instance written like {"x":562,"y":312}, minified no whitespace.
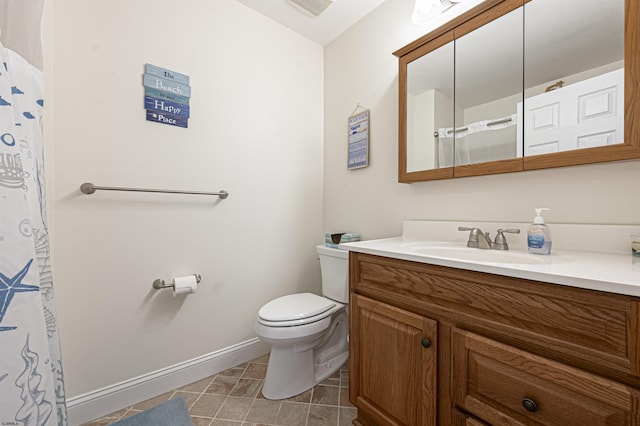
{"x":514,"y":85}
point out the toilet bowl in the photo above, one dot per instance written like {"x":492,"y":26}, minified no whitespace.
{"x":308,"y":333}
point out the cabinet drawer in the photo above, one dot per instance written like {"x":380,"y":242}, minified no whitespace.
{"x":595,"y":330}
{"x":501,"y":384}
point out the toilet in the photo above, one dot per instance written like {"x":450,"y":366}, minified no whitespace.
{"x":308,"y":333}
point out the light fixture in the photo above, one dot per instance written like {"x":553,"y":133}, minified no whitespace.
{"x":313,"y":7}
{"x":425,"y":10}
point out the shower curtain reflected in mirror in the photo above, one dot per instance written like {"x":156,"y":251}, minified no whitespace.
{"x":479,"y":142}
{"x":31,"y":384}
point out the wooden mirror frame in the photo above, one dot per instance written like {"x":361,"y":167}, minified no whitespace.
{"x":476,"y":18}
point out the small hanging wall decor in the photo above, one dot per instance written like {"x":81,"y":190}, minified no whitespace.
{"x":358,"y":139}
{"x":166,"y":96}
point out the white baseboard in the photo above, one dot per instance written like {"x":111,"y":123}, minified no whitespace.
{"x":95,"y":404}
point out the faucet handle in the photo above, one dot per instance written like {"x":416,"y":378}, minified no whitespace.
{"x":474,"y":231}
{"x":510,"y":231}
{"x":500,"y":242}
{"x":477,"y":239}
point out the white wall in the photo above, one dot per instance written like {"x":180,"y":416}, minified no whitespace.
{"x":360,"y":67}
{"x":420,"y":128}
{"x":255,"y":130}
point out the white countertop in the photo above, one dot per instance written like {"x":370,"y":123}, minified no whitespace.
{"x":614,"y":271}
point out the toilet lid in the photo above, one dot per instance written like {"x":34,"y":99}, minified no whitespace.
{"x":295,"y":307}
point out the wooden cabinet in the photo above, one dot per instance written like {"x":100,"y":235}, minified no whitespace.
{"x":464,"y":419}
{"x":395,"y":351}
{"x":502,"y":350}
{"x":504,"y":385}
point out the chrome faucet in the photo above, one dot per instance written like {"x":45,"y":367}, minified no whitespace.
{"x":478,"y":239}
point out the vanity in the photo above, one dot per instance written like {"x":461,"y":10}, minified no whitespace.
{"x":442,"y":336}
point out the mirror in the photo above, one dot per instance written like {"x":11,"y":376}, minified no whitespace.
{"x":536,"y":84}
{"x":574,"y":75}
{"x":429,"y":108}
{"x":488,"y":84}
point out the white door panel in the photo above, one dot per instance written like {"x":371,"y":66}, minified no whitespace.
{"x":582,"y":115}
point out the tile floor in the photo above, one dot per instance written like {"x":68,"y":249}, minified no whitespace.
{"x":234,"y":397}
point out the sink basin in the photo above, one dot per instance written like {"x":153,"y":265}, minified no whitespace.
{"x":460,"y":252}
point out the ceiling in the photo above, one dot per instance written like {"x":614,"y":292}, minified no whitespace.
{"x":338,"y":17}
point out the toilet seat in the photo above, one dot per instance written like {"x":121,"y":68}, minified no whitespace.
{"x":295,"y":309}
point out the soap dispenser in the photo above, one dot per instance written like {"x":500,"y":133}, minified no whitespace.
{"x":539,"y":235}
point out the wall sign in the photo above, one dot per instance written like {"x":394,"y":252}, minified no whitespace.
{"x":166,"y":96}
{"x":358,"y":140}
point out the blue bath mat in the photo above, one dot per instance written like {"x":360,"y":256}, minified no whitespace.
{"x":170,"y":413}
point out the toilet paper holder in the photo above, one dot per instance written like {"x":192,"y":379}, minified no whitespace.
{"x":159,"y":283}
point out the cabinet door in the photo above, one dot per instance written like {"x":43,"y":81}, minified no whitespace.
{"x":393,"y":357}
{"x":504,"y":385}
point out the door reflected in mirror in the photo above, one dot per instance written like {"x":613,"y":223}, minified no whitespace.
{"x":574,"y":75}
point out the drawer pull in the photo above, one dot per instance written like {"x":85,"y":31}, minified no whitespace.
{"x":426,"y":342}
{"x":529,"y":405}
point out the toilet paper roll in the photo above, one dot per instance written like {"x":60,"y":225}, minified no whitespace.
{"x":185,"y":285}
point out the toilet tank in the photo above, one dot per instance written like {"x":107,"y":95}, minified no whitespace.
{"x":334,"y":264}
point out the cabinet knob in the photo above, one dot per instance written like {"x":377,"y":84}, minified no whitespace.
{"x":529,"y":405}
{"x":426,"y":342}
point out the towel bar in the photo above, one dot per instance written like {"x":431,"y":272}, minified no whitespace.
{"x":89,"y":188}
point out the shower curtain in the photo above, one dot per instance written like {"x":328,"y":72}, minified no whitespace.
{"x":31,"y":384}
{"x":488,"y":140}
